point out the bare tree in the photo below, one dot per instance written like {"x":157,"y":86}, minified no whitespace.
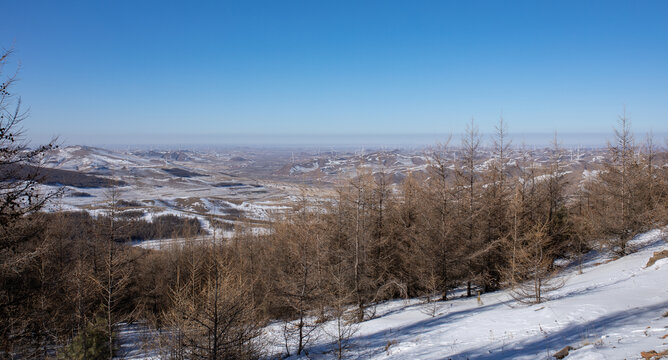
{"x":359,"y":192}
{"x":298,"y":285}
{"x":494,"y":219}
{"x":468,"y":176}
{"x":651,"y":187}
{"x":116,"y":276}
{"x":19,"y":196}
{"x":532,"y":277}
{"x":558,"y":218}
{"x":214,"y":318}
{"x":339,"y":298}
{"x":442,"y":248}
{"x":618,"y":212}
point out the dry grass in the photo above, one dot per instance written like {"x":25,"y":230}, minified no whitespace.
{"x":389,"y":345}
{"x":193,"y":203}
{"x":653,"y":355}
{"x":605,"y":262}
{"x":656,"y":257}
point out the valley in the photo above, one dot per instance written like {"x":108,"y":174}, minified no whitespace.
{"x":224,"y":187}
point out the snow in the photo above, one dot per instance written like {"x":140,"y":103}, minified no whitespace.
{"x":90,"y":158}
{"x":545,"y":177}
{"x":612,"y":310}
{"x":590,"y":174}
{"x":160,"y":244}
{"x":300,"y":169}
{"x":135,"y":342}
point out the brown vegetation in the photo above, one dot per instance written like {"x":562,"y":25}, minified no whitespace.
{"x":656,"y":257}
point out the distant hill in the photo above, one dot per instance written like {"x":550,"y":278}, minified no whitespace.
{"x":182,"y":172}
{"x":50,"y":176}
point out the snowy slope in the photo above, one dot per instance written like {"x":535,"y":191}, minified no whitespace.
{"x":613,"y":310}
{"x":91,"y":159}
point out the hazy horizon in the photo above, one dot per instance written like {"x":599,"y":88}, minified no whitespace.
{"x":325,"y":142}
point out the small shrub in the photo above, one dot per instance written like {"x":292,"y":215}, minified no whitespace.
{"x":389,"y":345}
{"x":92,"y":343}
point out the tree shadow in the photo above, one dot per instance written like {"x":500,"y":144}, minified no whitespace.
{"x":557,"y":340}
{"x":375,"y":343}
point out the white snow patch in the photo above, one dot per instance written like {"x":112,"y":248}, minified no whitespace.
{"x":299,"y":169}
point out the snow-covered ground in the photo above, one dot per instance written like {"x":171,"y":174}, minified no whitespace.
{"x":199,"y":188}
{"x":614,"y":309}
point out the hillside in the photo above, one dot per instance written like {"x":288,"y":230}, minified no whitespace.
{"x":613,"y":310}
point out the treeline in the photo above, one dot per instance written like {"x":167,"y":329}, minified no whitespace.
{"x":62,"y":271}
{"x":130,"y":225}
{"x":59,"y":177}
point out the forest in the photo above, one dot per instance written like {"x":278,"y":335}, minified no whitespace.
{"x":478,"y":223}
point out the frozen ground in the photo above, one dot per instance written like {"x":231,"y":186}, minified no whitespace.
{"x":614,"y":309}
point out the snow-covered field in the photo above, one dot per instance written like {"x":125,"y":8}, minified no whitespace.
{"x":182,"y":183}
{"x":614,"y":309}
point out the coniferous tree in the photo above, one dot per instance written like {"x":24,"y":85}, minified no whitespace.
{"x":489,"y":254}
{"x":618,"y":208}
{"x":468,"y":197}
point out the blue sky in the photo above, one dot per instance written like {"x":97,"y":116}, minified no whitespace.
{"x":188,"y":72}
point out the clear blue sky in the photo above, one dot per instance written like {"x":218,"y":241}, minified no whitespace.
{"x":191,"y":71}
